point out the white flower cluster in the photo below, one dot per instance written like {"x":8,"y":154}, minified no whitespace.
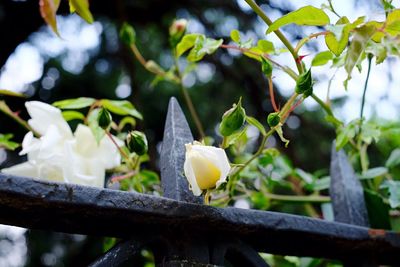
{"x":60,"y":155}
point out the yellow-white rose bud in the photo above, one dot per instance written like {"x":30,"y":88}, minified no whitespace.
{"x":205,"y":167}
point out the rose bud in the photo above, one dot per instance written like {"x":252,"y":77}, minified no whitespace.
{"x":177,"y":31}
{"x":205,"y":167}
{"x":104,"y":118}
{"x":137,"y":142}
{"x":233,"y":119}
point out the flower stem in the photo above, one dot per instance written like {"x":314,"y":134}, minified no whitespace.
{"x":13,"y":115}
{"x":297,"y":198}
{"x":308,"y":38}
{"x":286,"y":69}
{"x":207,"y":197}
{"x":278,"y":33}
{"x":364,"y":93}
{"x":323,"y":105}
{"x":118,"y":147}
{"x":188,"y":100}
{"x":271,"y":94}
{"x":122,"y":177}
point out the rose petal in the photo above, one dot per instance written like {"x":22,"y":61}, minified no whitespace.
{"x":43,"y":115}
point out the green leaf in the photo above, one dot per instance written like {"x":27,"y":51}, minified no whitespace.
{"x":75,"y":103}
{"x":379,"y":50}
{"x":6,"y":143}
{"x":11,"y":93}
{"x":81,"y":7}
{"x":121,"y":107}
{"x":203,"y":46}
{"x":265,"y":46}
{"x":337,"y":41}
{"x":127,"y":121}
{"x":394,"y":159}
{"x":393,"y":188}
{"x":322,"y":58}
{"x":148,"y":178}
{"x":337,"y":45}
{"x":97,"y":131}
{"x":322,"y":183}
{"x":357,"y":46}
{"x":307,"y":15}
{"x":73,"y":115}
{"x":253,"y":121}
{"x":233,"y":138}
{"x":235,"y":36}
{"x":370,"y":132}
{"x":186,"y":43}
{"x":374,"y":172}
{"x":391,"y":26}
{"x":378,"y":210}
{"x":260,"y":201}
{"x":308,"y":178}
{"x":345,"y":134}
{"x":48,"y":10}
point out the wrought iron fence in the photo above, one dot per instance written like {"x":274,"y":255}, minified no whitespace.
{"x":181,"y":231}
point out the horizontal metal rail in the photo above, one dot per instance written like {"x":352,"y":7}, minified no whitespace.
{"x":79,"y":209}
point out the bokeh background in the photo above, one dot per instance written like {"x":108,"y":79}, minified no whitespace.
{"x":89,"y":60}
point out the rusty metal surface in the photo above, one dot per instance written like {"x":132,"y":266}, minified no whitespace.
{"x":346,"y":191}
{"x":78,"y":209}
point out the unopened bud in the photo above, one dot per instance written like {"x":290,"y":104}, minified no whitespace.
{"x":137,"y":142}
{"x":233,"y":119}
{"x":127,"y":34}
{"x":104,"y":118}
{"x":176,"y":31}
{"x":152,"y":66}
{"x":273,"y":119}
{"x":266,"y":67}
{"x":304,"y":84}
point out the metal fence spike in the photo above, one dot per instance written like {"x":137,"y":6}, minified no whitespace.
{"x":176,"y":134}
{"x":346,"y":191}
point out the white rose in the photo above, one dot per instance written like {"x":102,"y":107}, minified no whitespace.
{"x":58,"y":155}
{"x":205,"y":167}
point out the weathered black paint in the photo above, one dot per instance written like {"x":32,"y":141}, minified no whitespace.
{"x":346,"y":191}
{"x":182,"y":232}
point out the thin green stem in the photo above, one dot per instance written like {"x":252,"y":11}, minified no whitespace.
{"x":278,"y":33}
{"x":207,"y":197}
{"x":297,"y":198}
{"x":286,"y":69}
{"x":332,"y":9}
{"x":118,"y":147}
{"x":323,"y":105}
{"x":188,"y":100}
{"x":306,"y":39}
{"x":286,"y":108}
{"x":7,"y":111}
{"x":364,"y":93}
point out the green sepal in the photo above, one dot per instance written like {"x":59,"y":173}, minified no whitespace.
{"x":233,"y":119}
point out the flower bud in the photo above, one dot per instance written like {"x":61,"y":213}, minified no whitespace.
{"x":176,"y":31}
{"x":273,"y":119}
{"x":304,"y":84}
{"x":137,"y":142}
{"x":152,"y":66}
{"x":205,"y":167}
{"x":127,"y":34}
{"x":266,"y":67}
{"x":233,"y":119}
{"x":104,"y":118}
